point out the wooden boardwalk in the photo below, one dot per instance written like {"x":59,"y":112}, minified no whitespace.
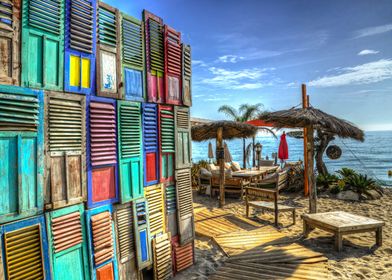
{"x":256,"y":251}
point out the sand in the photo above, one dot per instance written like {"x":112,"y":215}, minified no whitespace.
{"x":360,"y":258}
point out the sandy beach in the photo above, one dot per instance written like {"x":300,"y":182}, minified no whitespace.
{"x":360,"y":258}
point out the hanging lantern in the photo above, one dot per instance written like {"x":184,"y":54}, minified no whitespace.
{"x":334,"y":152}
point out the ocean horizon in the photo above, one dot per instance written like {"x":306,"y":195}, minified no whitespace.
{"x":372,"y":157}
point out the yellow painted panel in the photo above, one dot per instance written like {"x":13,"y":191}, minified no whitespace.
{"x":86,"y":72}
{"x":74,"y":71}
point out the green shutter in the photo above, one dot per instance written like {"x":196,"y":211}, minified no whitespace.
{"x":132,"y":40}
{"x":167,"y":131}
{"x":183,"y":138}
{"x":107,"y":24}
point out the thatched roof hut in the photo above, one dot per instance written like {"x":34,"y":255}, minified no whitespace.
{"x":230,"y":130}
{"x":303,"y":117}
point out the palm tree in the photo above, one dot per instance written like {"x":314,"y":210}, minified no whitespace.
{"x":245,"y":112}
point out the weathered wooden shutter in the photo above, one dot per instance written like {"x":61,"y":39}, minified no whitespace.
{"x":161,"y":249}
{"x":155,"y":57}
{"x":21,"y":152}
{"x":65,"y":140}
{"x":142,"y":233}
{"x":183,"y":256}
{"x":67,"y":242}
{"x":173,"y":66}
{"x":185,"y":205}
{"x":103,"y":259}
{"x":1,"y":260}
{"x":167,"y":142}
{"x":9,"y":42}
{"x":125,"y":236}
{"x":101,"y":151}
{"x":150,"y":144}
{"x":156,"y":212}
{"x":80,"y":45}
{"x":25,"y":249}
{"x":183,"y":138}
{"x":171,"y":209}
{"x":130,"y":149}
{"x":132,"y":39}
{"x":186,"y":75}
{"x":108,"y":52}
{"x":43,"y":44}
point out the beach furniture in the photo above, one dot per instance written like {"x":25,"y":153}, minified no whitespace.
{"x":341,"y":223}
{"x":266,"y":198}
{"x":232,"y":185}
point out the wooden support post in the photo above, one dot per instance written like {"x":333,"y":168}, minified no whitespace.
{"x":310,"y":172}
{"x":305,"y":105}
{"x":221,"y":162}
{"x":253,"y":152}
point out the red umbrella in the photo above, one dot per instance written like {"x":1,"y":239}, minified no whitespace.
{"x":283,"y":148}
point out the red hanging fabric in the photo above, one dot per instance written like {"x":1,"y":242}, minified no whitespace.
{"x":283,"y":153}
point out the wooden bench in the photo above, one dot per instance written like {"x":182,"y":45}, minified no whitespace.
{"x":231,"y":185}
{"x":253,"y":195}
{"x":341,"y":223}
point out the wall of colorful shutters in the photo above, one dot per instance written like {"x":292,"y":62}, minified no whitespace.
{"x":102,"y":167}
{"x":10,"y":42}
{"x":21,"y":152}
{"x":43,"y":44}
{"x":80,"y":46}
{"x":95,"y":150}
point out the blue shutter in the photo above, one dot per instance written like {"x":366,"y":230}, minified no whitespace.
{"x":150,"y":144}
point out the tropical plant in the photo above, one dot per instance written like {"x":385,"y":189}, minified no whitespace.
{"x":360,"y":183}
{"x":326,"y":180}
{"x":245,"y":112}
{"x":196,"y":169}
{"x":346,"y":172}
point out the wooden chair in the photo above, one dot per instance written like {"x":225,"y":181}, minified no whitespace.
{"x":268,"y":195}
{"x":232,"y":185}
{"x":203,"y":184}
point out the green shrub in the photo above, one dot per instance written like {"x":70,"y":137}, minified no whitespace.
{"x":325,"y":181}
{"x":346,"y":172}
{"x":360,"y":183}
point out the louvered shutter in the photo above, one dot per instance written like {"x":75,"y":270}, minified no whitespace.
{"x":43,"y":44}
{"x":167,"y":142}
{"x":1,"y":261}
{"x":132,"y":38}
{"x":173,"y":66}
{"x":155,"y":198}
{"x":65,"y":138}
{"x":21,"y":152}
{"x":185,"y":205}
{"x":161,"y":249}
{"x":103,"y":259}
{"x":25,"y":249}
{"x":183,"y":256}
{"x":102,"y":151}
{"x":80,"y":45}
{"x":183,"y":138}
{"x":67,"y":241}
{"x":186,"y":75}
{"x":171,"y":209}
{"x":123,"y":217}
{"x":142,"y":233}
{"x":130,"y":148}
{"x":108,"y":51}
{"x":150,"y":143}
{"x":155,"y":61}
{"x":9,"y":42}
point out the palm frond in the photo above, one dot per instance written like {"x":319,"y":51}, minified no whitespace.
{"x":229,"y":111}
{"x":266,"y":129}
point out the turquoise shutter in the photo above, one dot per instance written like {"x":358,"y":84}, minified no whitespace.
{"x":183,"y":138}
{"x":130,"y":150}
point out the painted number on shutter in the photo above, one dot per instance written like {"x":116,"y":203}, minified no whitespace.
{"x":161,"y":248}
{"x":185,"y":205}
{"x":187,"y":75}
{"x":102,"y":134}
{"x":23,"y":253}
{"x":67,"y":231}
{"x":18,"y":112}
{"x":125,"y":232}
{"x":154,"y":196}
{"x":102,"y":237}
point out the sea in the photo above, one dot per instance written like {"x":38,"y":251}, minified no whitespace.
{"x":372,"y":157}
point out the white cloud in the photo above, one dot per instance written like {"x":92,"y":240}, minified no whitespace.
{"x":199,"y":63}
{"x":366,"y":52}
{"x":367,"y":73}
{"x":237,"y":79}
{"x":230,"y":58}
{"x":374,"y":30}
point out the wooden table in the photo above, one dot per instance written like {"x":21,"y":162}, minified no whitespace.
{"x":340,"y":223}
{"x":254,"y":172}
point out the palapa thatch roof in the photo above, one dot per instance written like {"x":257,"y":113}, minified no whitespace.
{"x":310,"y":116}
{"x":231,"y":130}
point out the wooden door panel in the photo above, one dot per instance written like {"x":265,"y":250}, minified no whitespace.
{"x":104,"y":182}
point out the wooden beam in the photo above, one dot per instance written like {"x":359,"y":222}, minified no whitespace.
{"x":221,"y":162}
{"x":310,"y":171}
{"x":305,"y":105}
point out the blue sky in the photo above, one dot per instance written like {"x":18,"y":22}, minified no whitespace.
{"x":261,"y":51}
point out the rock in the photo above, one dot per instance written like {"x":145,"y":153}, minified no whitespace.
{"x":373,"y":194}
{"x":348,"y":195}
